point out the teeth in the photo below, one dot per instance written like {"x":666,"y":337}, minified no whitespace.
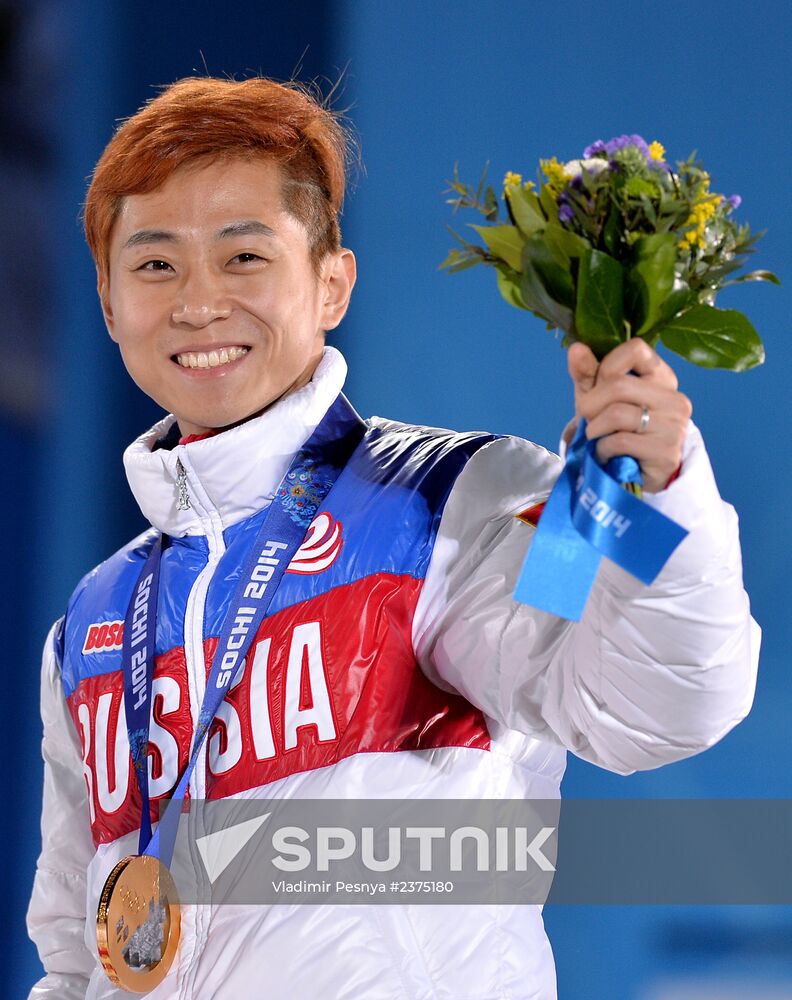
{"x":212,"y":359}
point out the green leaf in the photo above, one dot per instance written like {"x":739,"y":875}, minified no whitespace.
{"x":757,"y":276}
{"x":504,"y":242}
{"x":509,"y":287}
{"x":714,"y":275}
{"x":490,"y":204}
{"x":649,"y":280}
{"x":555,"y":277}
{"x":599,"y":315}
{"x":460,"y":260}
{"x":611,"y":234}
{"x":472,"y":247}
{"x":525,"y":209}
{"x":636,"y":186}
{"x":649,"y":209}
{"x":483,"y":177}
{"x":714,"y":338}
{"x":539,"y":301}
{"x":564,"y":245}
{"x":548,"y":202}
{"x":679,"y":300}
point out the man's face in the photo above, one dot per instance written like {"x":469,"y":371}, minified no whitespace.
{"x":212,"y":297}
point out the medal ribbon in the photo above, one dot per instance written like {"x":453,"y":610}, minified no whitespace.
{"x":589,"y":514}
{"x":325,"y":454}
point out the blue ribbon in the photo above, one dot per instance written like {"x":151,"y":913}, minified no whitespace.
{"x":138,"y":655}
{"x":320,"y":461}
{"x":589,"y":514}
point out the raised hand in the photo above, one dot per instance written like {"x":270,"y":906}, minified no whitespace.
{"x":641,"y":414}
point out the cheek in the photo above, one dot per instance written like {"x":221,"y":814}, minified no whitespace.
{"x":284,"y":303}
{"x":138,"y":326}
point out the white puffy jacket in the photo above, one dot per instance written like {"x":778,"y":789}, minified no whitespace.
{"x":648,"y":676}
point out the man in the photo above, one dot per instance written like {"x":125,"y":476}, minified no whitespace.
{"x":393,"y":661}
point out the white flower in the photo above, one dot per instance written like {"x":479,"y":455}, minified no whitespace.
{"x":576,"y":167}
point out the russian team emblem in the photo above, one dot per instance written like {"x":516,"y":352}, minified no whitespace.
{"x":321,"y":547}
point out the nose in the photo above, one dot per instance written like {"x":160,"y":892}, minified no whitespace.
{"x":200,"y":301}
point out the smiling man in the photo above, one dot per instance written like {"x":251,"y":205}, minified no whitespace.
{"x":323,"y":606}
{"x":218,"y":313}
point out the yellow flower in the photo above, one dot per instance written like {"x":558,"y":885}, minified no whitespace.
{"x":700,"y":215}
{"x":528,"y":186}
{"x":656,"y":150}
{"x":512,"y":180}
{"x":692,"y":238}
{"x":554,"y":172}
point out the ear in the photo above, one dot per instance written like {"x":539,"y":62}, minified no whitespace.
{"x":103,"y":290}
{"x":339,"y":275}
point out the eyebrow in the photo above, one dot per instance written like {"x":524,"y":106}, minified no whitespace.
{"x":150,"y":236}
{"x":250,"y":227}
{"x":247,"y":227}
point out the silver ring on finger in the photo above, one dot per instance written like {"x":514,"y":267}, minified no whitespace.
{"x":644,"y":421}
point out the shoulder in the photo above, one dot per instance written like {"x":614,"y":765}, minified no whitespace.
{"x":500,"y":473}
{"x":506,"y":475}
{"x":422,"y":459}
{"x":394,"y":434}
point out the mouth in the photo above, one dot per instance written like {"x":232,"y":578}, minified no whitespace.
{"x":216,"y":358}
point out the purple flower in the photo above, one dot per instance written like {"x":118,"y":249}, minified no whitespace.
{"x":565,"y":213}
{"x":614,"y":145}
{"x":594,"y":149}
{"x":735,"y":201}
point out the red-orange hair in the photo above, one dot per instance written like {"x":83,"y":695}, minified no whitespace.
{"x":213,"y":118}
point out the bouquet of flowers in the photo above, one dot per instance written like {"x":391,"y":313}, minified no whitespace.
{"x":616,"y":245}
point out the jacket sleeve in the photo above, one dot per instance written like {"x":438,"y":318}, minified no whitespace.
{"x":56,"y":914}
{"x":649,"y":675}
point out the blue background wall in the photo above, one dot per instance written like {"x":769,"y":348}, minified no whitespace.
{"x":427,"y":84}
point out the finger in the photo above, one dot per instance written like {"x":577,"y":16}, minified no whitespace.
{"x":582,"y":366}
{"x":569,"y":431}
{"x":626,"y":419}
{"x":637,"y":356}
{"x":616,"y":418}
{"x":636,"y":392}
{"x":662,"y":447}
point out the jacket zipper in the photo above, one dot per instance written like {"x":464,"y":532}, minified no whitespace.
{"x":195,"y":497}
{"x":183,"y":499}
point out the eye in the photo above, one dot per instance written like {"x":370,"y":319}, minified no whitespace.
{"x":246,"y":258}
{"x":154,"y":265}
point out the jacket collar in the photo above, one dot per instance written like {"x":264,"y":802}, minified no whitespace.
{"x":232,"y":475}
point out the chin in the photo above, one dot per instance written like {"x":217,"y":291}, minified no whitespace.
{"x":214,"y":421}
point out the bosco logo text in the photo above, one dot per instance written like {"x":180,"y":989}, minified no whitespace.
{"x":102,"y":637}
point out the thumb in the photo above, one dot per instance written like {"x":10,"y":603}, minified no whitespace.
{"x":582,"y":367}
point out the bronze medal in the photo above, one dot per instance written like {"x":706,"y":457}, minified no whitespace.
{"x":138,"y":923}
